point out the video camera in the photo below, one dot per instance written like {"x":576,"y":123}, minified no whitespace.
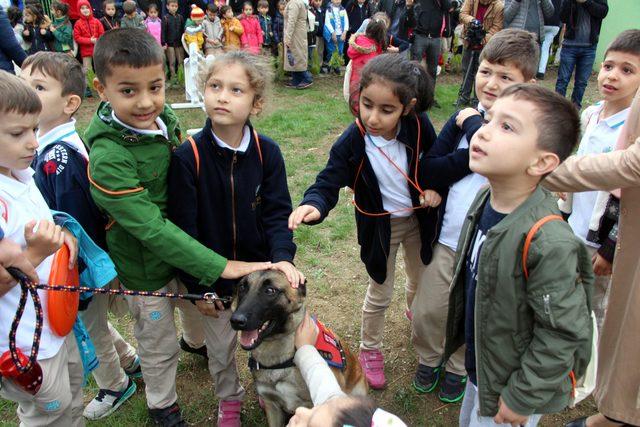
{"x":475,"y":35}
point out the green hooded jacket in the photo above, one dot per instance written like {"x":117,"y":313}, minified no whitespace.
{"x":529,"y":334}
{"x":63,"y":35}
{"x":128,"y":174}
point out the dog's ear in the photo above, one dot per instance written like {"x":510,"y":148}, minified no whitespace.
{"x":302,"y":289}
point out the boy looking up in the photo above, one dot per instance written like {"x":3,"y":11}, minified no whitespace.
{"x":510,"y":57}
{"x":131,"y":138}
{"x":523,"y":311}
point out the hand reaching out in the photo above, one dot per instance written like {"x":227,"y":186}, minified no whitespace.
{"x":304,"y":213}
{"x":307,"y":332}
{"x":294,"y":276}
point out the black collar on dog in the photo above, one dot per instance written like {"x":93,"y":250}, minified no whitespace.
{"x":255,"y":366}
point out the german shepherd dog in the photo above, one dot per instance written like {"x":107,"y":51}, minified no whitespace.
{"x":267,"y":315}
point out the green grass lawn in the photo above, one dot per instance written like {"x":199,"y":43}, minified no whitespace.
{"x":305,"y":124}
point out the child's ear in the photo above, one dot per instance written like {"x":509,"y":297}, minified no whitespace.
{"x":409,"y":107}
{"x":258,"y":103}
{"x":73,"y":103}
{"x":99,"y":87}
{"x":544,"y":164}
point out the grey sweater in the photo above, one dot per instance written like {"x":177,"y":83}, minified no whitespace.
{"x":515,"y":14}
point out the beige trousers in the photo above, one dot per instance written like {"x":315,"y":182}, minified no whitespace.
{"x":158,"y":348}
{"x":221,"y":346}
{"x":58,"y":403}
{"x":430,"y":310}
{"x":600,"y":298}
{"x":405,"y":232}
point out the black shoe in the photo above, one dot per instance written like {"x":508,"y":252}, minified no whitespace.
{"x":324,"y":70}
{"x":336,"y":70}
{"x":452,"y":388}
{"x":426,"y":379}
{"x":539,"y":76}
{"x":167,"y":417}
{"x":578,"y":422}
{"x":200,"y":351}
{"x":290,"y":85}
{"x":304,"y":85}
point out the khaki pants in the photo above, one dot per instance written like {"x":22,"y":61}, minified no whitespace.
{"x":112,"y":351}
{"x":600,"y":298}
{"x":430,"y":310}
{"x":175,"y":57}
{"x":158,"y":347}
{"x":58,"y":403}
{"x":405,"y":232}
{"x":221,"y":346}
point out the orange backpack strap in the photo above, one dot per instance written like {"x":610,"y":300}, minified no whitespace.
{"x":196,"y":153}
{"x":362,"y":131}
{"x":255,"y":135}
{"x":530,"y":235}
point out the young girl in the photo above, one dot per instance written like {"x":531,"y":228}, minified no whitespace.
{"x":380,"y":157}
{"x":109,"y":20}
{"x":212,"y":31}
{"x":231,"y":28}
{"x":278,"y":23}
{"x":86,"y":32}
{"x":252,"y":36}
{"x":228,"y":189}
{"x":61,"y":28}
{"x":363,"y":48}
{"x":36,"y":29}
{"x":153,"y":24}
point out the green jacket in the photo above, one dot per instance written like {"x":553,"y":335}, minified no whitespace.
{"x":529,"y":334}
{"x":63,"y":35}
{"x":128,"y":173}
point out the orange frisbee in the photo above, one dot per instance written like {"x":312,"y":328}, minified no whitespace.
{"x":62,"y":305}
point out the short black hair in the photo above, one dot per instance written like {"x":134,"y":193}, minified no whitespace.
{"x":60,"y":66}
{"x":358,"y":413}
{"x":17,"y":96}
{"x":211,"y":7}
{"x":557,"y":118}
{"x":129,"y":6}
{"x":62,"y":7}
{"x":626,"y":42}
{"x":125,"y":47}
{"x":224,"y":9}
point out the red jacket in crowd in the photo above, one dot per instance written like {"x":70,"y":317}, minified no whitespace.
{"x":74,"y":12}
{"x":85,"y":28}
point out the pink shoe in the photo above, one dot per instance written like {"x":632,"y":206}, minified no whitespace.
{"x":229,"y":413}
{"x":372,"y":363}
{"x":408,"y":314}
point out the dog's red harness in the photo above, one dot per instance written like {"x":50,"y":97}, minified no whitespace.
{"x":329,"y":347}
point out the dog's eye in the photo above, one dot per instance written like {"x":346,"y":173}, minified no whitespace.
{"x":271,"y":291}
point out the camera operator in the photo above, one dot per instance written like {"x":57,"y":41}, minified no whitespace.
{"x":481,"y":20}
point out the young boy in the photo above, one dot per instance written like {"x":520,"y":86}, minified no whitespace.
{"x":172,"y":26}
{"x":618,"y":82}
{"x":131,"y":18}
{"x":510,"y":57}
{"x":232,"y":29}
{"x":61,"y":176}
{"x":109,"y":20}
{"x":336,"y":26}
{"x":523,"y":310}
{"x":59,"y":399}
{"x":61,"y":28}
{"x":267,"y":29}
{"x":131,"y":138}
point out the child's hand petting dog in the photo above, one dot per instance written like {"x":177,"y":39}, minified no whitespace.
{"x":304,"y":213}
{"x":464,"y":115}
{"x":238,"y":269}
{"x":307,"y":332}
{"x":294,"y":276}
{"x":430,"y":199}
{"x":209,"y":308}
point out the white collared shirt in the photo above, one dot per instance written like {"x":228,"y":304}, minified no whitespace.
{"x":600,"y":136}
{"x":162,"y":128}
{"x":21,"y":202}
{"x":244,"y":143}
{"x":66,"y":133}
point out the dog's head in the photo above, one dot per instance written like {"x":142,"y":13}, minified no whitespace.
{"x":265,"y":304}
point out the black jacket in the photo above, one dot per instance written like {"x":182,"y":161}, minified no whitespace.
{"x":356,"y":14}
{"x":402,"y":18}
{"x":237,"y":205}
{"x":374,"y":233}
{"x":172,"y":28}
{"x":10,"y":50}
{"x":597,"y":9}
{"x":429,"y":15}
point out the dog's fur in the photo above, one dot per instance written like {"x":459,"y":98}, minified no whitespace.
{"x":267,"y":296}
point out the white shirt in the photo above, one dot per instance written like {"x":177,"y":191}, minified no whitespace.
{"x":20,"y":202}
{"x":600,"y":136}
{"x":459,"y":200}
{"x":244,"y":143}
{"x":317,"y":375}
{"x":393,"y":185}
{"x":335,"y":11}
{"x":162,"y":128}
{"x":65,"y":132}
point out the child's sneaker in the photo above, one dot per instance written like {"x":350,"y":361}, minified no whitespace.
{"x":200,"y":351}
{"x":372,"y":363}
{"x":167,"y":417}
{"x":229,"y":413}
{"x":408,"y":314}
{"x":426,"y":379}
{"x":134,"y":370}
{"x":452,"y":388}
{"x":108,"y":401}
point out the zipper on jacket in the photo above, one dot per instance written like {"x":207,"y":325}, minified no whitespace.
{"x":233,"y":206}
{"x":546,"y":299}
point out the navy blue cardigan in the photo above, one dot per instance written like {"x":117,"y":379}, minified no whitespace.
{"x":10,"y":50}
{"x":237,"y":205}
{"x":374,"y":233}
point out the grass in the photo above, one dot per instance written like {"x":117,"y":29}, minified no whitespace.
{"x":305,"y":124}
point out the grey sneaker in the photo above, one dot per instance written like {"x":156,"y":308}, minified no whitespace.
{"x":108,"y":401}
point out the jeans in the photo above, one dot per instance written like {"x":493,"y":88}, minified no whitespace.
{"x":470,"y":60}
{"x":298,"y":77}
{"x":430,"y":48}
{"x":580,"y":58}
{"x":549,"y":34}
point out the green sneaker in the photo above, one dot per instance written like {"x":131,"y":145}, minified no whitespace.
{"x":452,"y":388}
{"x":426,"y":379}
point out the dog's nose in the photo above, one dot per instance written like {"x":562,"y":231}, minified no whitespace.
{"x":238,"y":321}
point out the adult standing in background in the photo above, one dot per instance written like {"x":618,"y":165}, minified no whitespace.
{"x":528,"y":15}
{"x":296,"y":52}
{"x":583,"y":19}
{"x":10,"y":50}
{"x":551,"y":29}
{"x":617,"y":393}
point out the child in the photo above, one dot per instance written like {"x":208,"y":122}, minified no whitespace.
{"x":375,"y":157}
{"x":172,"y":25}
{"x":62,"y":29}
{"x":510,"y":57}
{"x":250,"y":226}
{"x":363,"y":48}
{"x":331,"y":407}
{"x":61,"y":176}
{"x":266,"y":26}
{"x":212,"y":31}
{"x":131,"y":18}
{"x":232,"y":29}
{"x":193,"y":31}
{"x":36,"y":29}
{"x":278,"y":23}
{"x":110,"y":21}
{"x":15,"y":19}
{"x":357,"y":12}
{"x":153,"y":24}
{"x":522,"y":310}
{"x":336,"y":25}
{"x":251,"y":38}
{"x":618,"y":81}
{"x":59,"y":399}
{"x":86,"y":32}
{"x":315,"y":7}
{"x":131,"y":137}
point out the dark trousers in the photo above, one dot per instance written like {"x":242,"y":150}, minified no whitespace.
{"x":581,"y":59}
{"x":470,"y":61}
{"x":429,"y":47}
